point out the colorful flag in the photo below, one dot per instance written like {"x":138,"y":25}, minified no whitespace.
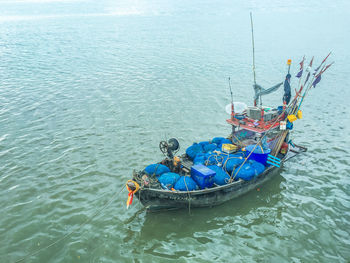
{"x":312,"y":60}
{"x":327,"y":67}
{"x":300,"y":73}
{"x":318,"y":77}
{"x":321,"y":64}
{"x":317,"y":80}
{"x":302,"y":63}
{"x":326,"y":57}
{"x":316,"y":70}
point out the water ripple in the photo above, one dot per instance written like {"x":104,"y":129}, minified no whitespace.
{"x":87,"y":94}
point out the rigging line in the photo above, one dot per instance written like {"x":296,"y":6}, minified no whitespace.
{"x":238,"y":140}
{"x":251,"y":23}
{"x":72,"y":231}
{"x":189,"y":198}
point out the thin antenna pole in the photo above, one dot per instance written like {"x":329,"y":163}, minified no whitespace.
{"x":251,"y":22}
{"x":232,"y":107}
{"x":229,"y":83}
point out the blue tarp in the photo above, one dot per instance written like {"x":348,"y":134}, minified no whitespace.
{"x":232,"y":161}
{"x":169,"y":179}
{"x":202,"y":144}
{"x":200,"y":158}
{"x":249,"y":170}
{"x":156,"y":169}
{"x":217,"y":140}
{"x":185,"y":183}
{"x":209,"y":147}
{"x":200,"y":152}
{"x":193,"y":150}
{"x":221,"y":177}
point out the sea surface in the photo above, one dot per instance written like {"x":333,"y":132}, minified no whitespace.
{"x":89,"y":88}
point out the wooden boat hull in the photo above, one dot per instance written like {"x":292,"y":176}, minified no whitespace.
{"x":156,"y":199}
{"x":162,"y":199}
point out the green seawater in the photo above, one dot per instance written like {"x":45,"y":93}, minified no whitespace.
{"x":89,"y":88}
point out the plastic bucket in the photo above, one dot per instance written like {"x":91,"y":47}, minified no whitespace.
{"x":258,"y":155}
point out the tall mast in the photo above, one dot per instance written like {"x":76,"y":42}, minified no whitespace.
{"x":251,"y":22}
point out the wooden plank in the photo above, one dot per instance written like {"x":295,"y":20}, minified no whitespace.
{"x":279,"y":143}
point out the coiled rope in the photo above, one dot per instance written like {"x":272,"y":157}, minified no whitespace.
{"x":220,"y":160}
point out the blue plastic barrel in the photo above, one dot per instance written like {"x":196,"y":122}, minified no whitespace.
{"x":259,"y":155}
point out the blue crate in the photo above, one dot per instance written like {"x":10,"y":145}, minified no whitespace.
{"x":202,"y":175}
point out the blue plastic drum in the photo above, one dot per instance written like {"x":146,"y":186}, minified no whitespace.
{"x":259,"y":154}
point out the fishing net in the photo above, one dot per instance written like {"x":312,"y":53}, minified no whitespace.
{"x":232,"y":161}
{"x":169,"y":179}
{"x":217,"y":140}
{"x":221,"y":177}
{"x":249,"y":170}
{"x":156,"y":169}
{"x":193,"y":150}
{"x":209,"y":147}
{"x":185,"y":183}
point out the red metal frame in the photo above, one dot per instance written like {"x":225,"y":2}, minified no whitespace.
{"x":255,"y":126}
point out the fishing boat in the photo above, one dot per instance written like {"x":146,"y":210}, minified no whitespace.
{"x":215,"y":171}
{"x":158,"y":198}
